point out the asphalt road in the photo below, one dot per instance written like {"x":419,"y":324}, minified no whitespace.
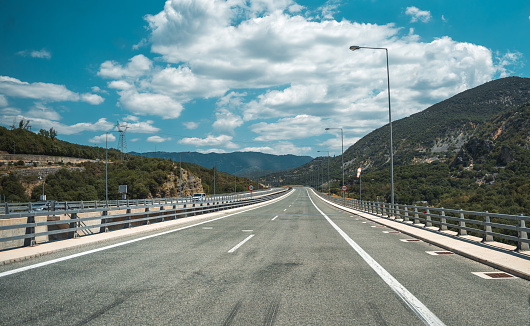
{"x":286,"y":263}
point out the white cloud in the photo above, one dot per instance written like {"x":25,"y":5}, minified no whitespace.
{"x":190,"y":125}
{"x":149,"y":103}
{"x":210,"y":141}
{"x":137,"y":66}
{"x":291,"y":66}
{"x":280,"y":148}
{"x":42,"y":54}
{"x":144,"y":127}
{"x":418,"y":15}
{"x":158,"y":139}
{"x":43,"y":91}
{"x":226,"y":121}
{"x":301,"y":126}
{"x":93,"y":99}
{"x":3,"y":100}
{"x":102,"y":139}
{"x":40,"y":111}
{"x":120,"y":85}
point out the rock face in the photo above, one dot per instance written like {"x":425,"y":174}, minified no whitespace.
{"x":190,"y":184}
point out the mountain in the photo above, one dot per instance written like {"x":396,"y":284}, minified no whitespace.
{"x":239,"y":163}
{"x":470,"y":151}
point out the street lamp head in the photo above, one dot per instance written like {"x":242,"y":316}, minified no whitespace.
{"x":354,"y":47}
{"x":327,"y":128}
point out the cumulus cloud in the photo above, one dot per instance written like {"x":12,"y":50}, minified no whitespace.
{"x":158,"y":139}
{"x":272,"y":62}
{"x":280,"y":148}
{"x":42,"y":54}
{"x":150,"y":103}
{"x":418,"y":15}
{"x":190,"y":125}
{"x":301,"y":126}
{"x":137,"y":66}
{"x":210,"y":141}
{"x":13,"y":87}
{"x":93,"y":99}
{"x":3,"y":100}
{"x":102,"y":139}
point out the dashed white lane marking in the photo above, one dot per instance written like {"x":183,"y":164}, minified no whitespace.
{"x":414,"y":304}
{"x":285,"y":209}
{"x":247,"y":230}
{"x":274,"y":218}
{"x":410,"y":240}
{"x":207,"y":228}
{"x":240,"y":244}
{"x":53,"y":261}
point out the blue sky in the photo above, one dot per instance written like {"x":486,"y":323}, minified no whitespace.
{"x":263,"y":75}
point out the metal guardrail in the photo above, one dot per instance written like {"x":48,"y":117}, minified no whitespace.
{"x":486,"y":225}
{"x":76,"y":226}
{"x":10,"y":208}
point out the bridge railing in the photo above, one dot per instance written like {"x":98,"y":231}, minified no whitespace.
{"x":31,"y":227}
{"x":9,"y":208}
{"x":489,"y":226}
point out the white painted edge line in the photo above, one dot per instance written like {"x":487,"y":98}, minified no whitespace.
{"x":84,"y":253}
{"x":485,"y":276}
{"x":414,"y":304}
{"x":240,"y":244}
{"x":274,"y":218}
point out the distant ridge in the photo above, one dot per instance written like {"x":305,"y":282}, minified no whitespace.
{"x":240,"y":163}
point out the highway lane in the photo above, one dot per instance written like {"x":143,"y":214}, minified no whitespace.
{"x":294,"y":268}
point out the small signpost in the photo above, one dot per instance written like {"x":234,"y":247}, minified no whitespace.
{"x":250,"y":188}
{"x":360,"y":182}
{"x":344,"y":188}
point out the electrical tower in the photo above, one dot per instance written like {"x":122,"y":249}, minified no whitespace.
{"x":122,"y":144}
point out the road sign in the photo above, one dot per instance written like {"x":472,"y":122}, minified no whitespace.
{"x":250,"y":187}
{"x":358,"y":173}
{"x":344,"y":188}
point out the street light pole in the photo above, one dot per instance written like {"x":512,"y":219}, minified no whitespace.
{"x":329,"y":192}
{"x":353,"y":48}
{"x":342,"y":158}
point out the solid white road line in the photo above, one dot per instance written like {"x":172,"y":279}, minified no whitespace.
{"x":414,"y":304}
{"x":53,"y":261}
{"x":274,"y":218}
{"x":240,"y":244}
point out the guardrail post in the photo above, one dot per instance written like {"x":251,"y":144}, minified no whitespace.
{"x":428,"y":220}
{"x":443,"y":221}
{"x":7,"y":208}
{"x":406,"y":217}
{"x":487,"y":229}
{"x":73,"y":225}
{"x":30,"y":242}
{"x":161,"y":213}
{"x":146,"y":215}
{"x":416,"y":216}
{"x":522,"y":235}
{"x":105,"y":228}
{"x":383,"y":206}
{"x":127,"y":218}
{"x":462,"y":224}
